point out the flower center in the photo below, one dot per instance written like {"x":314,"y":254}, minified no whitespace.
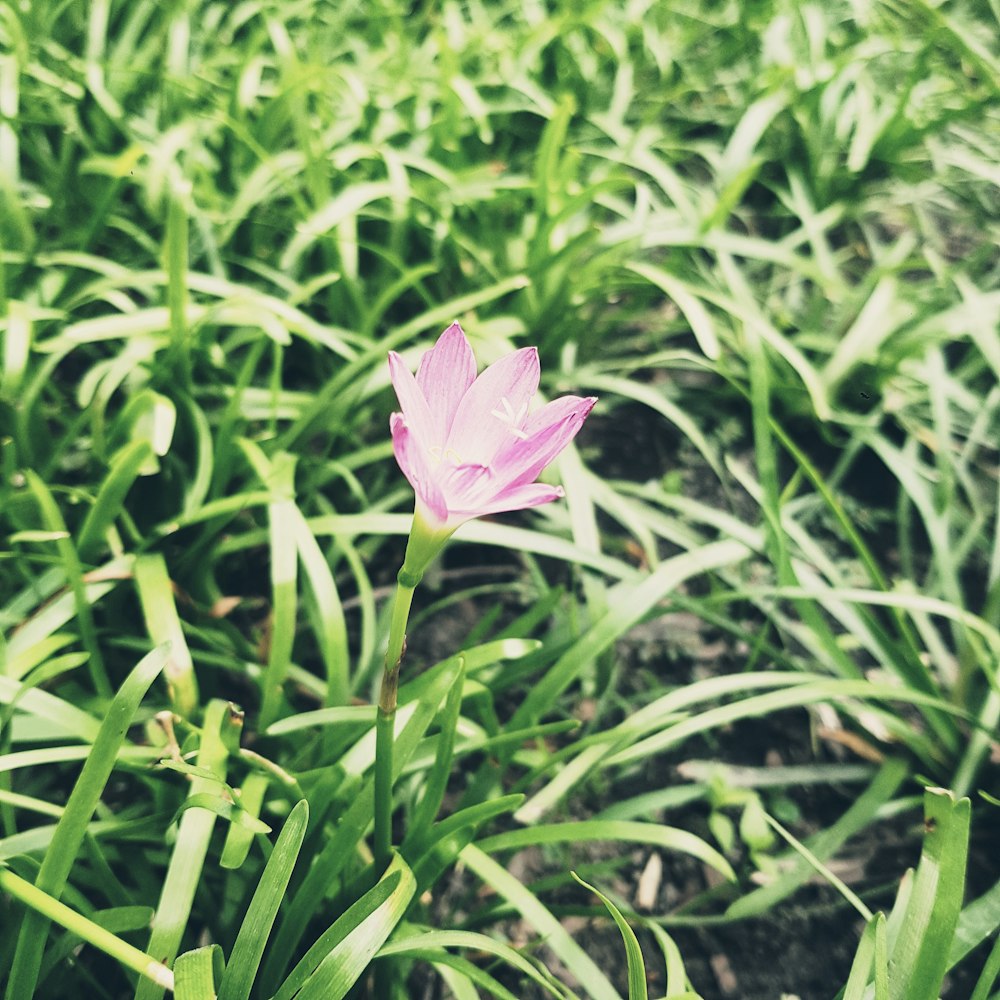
{"x":508,"y":416}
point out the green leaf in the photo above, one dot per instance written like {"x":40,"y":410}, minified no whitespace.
{"x":633,"y":953}
{"x":861,"y":968}
{"x":324,"y":610}
{"x":237,"y":981}
{"x":978,"y":921}
{"x":754,"y":831}
{"x":80,"y":928}
{"x":40,"y":706}
{"x":824,"y":844}
{"x":72,"y":826}
{"x":354,"y":915}
{"x":989,"y":975}
{"x":440,"y":846}
{"x":503,"y":536}
{"x":355,"y":938}
{"x":284,"y":587}
{"x":435,"y":781}
{"x":196,"y":973}
{"x":919,"y":955}
{"x":425,"y":943}
{"x":538,"y":916}
{"x":70,"y":560}
{"x":240,"y":836}
{"x":339,"y":715}
{"x":108,"y":504}
{"x":821,"y":869}
{"x":16,"y":346}
{"x":36,"y":536}
{"x":627,"y":604}
{"x":627,"y":831}
{"x":413,"y":718}
{"x":677,"y":980}
{"x":159,"y":609}
{"x":459,"y":975}
{"x":191,"y":847}
{"x":659,"y":402}
{"x":471,"y":816}
{"x":687,"y":300}
{"x":223,"y":808}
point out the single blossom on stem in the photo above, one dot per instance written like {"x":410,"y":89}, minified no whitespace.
{"x":469,"y":445}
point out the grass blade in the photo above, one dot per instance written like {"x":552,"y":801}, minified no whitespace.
{"x":624,"y":831}
{"x":823,"y":844}
{"x":72,"y":826}
{"x":531,"y":908}
{"x":48,"y":908}
{"x":191,"y":846}
{"x":156,"y":595}
{"x":861,"y":968}
{"x":237,"y":981}
{"x":196,"y":973}
{"x":636,"y":965}
{"x":627,"y":604}
{"x":439,"y":939}
{"x":125,"y":469}
{"x":919,"y":956}
{"x":991,"y":970}
{"x":53,"y":521}
{"x":356,"y":941}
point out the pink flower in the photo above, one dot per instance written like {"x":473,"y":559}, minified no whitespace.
{"x":468,"y":445}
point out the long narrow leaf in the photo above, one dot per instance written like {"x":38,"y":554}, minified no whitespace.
{"x":191,"y":846}
{"x":350,"y":955}
{"x":919,"y":958}
{"x":592,"y":978}
{"x":72,"y":826}
{"x":636,"y":965}
{"x":237,"y":981}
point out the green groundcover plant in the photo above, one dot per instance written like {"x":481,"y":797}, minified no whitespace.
{"x":756,"y":637}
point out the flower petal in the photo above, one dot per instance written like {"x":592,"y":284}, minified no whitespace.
{"x":495,"y":408}
{"x":549,"y":431}
{"x":414,"y":460}
{"x":446,"y":371}
{"x":556,"y":411}
{"x":412,"y":402}
{"x":464,"y":485}
{"x":515,"y":498}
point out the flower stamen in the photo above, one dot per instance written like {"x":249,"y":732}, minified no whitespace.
{"x":439,"y":454}
{"x":508,"y":416}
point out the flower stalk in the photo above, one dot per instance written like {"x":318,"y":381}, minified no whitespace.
{"x":385,"y":722}
{"x":469,"y":446}
{"x":422,"y":546}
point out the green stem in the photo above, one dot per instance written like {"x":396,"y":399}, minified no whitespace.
{"x":92,"y":933}
{"x":385,"y":722}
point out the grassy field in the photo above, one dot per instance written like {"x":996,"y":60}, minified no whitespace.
{"x":745,"y":674}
